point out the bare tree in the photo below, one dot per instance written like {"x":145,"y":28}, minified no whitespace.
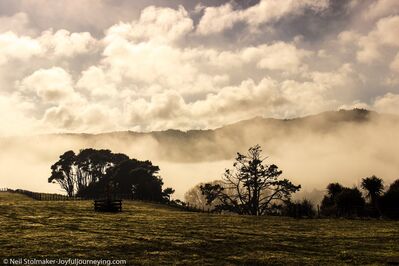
{"x":255,"y":186}
{"x":195,"y":198}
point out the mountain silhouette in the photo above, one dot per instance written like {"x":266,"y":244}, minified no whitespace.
{"x":222,"y":143}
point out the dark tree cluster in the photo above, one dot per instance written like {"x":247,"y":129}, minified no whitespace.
{"x":342,"y":201}
{"x":389,"y":201}
{"x":94,"y":173}
{"x":299,"y":209}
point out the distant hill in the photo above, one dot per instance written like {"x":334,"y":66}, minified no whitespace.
{"x":224,"y":142}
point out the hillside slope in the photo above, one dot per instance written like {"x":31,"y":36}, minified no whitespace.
{"x":151,"y":234}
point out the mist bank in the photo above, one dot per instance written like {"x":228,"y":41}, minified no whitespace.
{"x":342,"y":146}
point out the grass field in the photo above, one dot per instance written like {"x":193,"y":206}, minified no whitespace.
{"x":154,"y":234}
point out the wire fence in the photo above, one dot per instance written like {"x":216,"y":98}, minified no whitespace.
{"x":40,"y":196}
{"x":130,"y":197}
{"x":59,"y":197}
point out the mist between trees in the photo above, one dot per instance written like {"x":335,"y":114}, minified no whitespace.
{"x":255,"y":188}
{"x":251,"y":187}
{"x":342,"y":147}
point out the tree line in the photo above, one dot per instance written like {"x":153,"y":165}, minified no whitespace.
{"x":255,"y":188}
{"x":375,"y":202}
{"x":251,"y":187}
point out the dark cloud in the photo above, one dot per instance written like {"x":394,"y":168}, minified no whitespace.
{"x":313,"y":26}
{"x":91,"y":15}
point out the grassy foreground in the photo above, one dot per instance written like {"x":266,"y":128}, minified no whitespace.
{"x":154,"y":234}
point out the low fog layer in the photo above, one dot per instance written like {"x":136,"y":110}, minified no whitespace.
{"x":342,"y":146}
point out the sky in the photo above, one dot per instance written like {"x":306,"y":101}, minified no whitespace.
{"x":100,"y":65}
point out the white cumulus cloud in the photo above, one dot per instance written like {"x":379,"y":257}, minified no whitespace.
{"x":50,"y":85}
